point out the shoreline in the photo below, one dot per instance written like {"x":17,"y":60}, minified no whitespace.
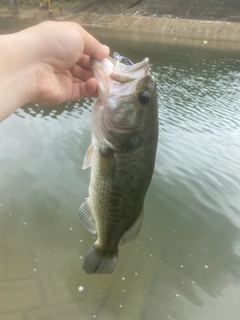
{"x":202,"y":31}
{"x":184,"y":28}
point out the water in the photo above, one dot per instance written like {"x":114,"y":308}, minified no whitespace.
{"x":185,"y":264}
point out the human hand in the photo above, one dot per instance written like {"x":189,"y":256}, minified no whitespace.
{"x":47,"y":64}
{"x":61,"y":61}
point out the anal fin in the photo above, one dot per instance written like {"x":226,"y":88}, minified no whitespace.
{"x":86,"y":218}
{"x":134,"y":230}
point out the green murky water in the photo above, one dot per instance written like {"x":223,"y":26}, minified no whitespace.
{"x":185,"y":264}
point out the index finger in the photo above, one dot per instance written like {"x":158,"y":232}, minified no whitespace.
{"x":93,"y":47}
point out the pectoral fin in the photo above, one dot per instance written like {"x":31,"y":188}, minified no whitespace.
{"x":87,"y":162}
{"x":86,"y":218}
{"x":133,"y":231}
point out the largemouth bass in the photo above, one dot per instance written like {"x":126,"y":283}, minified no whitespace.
{"x":121,"y":156}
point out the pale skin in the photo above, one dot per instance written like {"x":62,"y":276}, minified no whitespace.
{"x":47,"y":64}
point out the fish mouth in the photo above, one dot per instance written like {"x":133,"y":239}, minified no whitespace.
{"x":118,"y":79}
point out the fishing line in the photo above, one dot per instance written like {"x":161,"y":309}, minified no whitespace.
{"x":34,"y":187}
{"x":123,"y":59}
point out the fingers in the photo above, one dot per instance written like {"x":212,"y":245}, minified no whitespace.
{"x":84,"y":62}
{"x":81,"y":73}
{"x":84,"y":89}
{"x":93,"y":47}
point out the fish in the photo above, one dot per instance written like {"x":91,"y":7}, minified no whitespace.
{"x":124,"y":124}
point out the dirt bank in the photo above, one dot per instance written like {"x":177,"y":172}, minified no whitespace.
{"x":206,"y":30}
{"x":167,"y":26}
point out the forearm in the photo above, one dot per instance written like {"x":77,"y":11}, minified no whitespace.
{"x":16,"y":73}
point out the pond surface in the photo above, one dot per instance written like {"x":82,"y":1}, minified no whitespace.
{"x":185,"y":263}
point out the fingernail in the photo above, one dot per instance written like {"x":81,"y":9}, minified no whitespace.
{"x":106,"y":49}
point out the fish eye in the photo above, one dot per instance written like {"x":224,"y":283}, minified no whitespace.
{"x":144,"y":97}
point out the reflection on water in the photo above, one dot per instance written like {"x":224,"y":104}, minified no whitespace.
{"x":185,"y":263}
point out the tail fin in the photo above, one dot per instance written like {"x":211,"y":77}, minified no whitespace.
{"x":96,"y":261}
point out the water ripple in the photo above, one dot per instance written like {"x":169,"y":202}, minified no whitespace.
{"x":199,"y":115}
